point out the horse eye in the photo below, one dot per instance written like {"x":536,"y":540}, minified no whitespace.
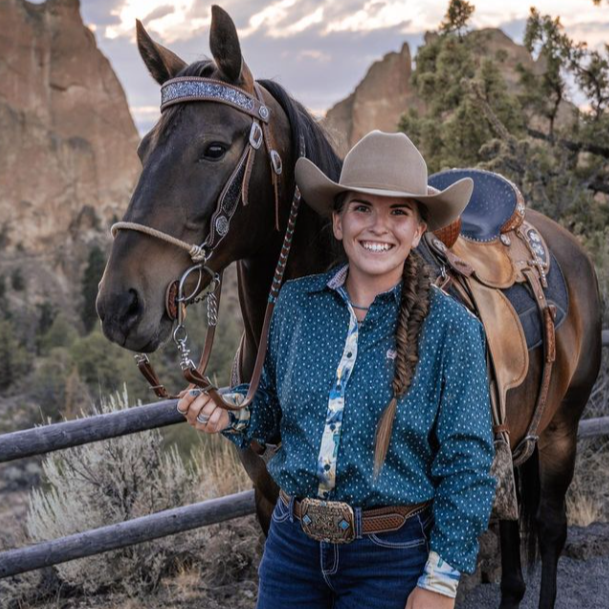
{"x":214,"y":152}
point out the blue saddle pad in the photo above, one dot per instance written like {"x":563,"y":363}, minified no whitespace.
{"x":492,"y":204}
{"x":522,"y":299}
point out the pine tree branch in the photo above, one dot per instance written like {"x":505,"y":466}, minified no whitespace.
{"x":494,"y":121}
{"x":570,"y":145}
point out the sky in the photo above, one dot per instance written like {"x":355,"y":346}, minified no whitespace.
{"x":319,"y":50}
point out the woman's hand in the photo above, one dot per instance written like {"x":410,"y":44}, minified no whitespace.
{"x":201,"y":412}
{"x":420,"y":598}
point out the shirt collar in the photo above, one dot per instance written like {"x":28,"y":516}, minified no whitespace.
{"x":335,"y":278}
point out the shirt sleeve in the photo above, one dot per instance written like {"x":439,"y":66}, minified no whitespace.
{"x":260,"y":421}
{"x":438,"y":576}
{"x":461,"y":467}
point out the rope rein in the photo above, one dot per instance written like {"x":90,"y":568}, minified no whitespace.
{"x":196,"y":252}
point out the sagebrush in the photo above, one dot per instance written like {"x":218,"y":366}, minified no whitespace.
{"x":117,"y":480}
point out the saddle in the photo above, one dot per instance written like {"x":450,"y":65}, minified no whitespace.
{"x":480,"y":257}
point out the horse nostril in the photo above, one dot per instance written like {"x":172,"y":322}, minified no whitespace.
{"x":132,"y":310}
{"x":133,"y":307}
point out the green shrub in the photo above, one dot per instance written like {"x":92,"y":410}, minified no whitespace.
{"x":17,"y":280}
{"x":61,"y":333}
{"x":91,"y":278}
{"x":13,"y":356}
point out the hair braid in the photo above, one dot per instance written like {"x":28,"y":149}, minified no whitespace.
{"x":414,"y":307}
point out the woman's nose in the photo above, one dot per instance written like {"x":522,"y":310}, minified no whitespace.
{"x":380,"y":223}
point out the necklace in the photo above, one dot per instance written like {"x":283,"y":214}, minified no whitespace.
{"x":359,"y":307}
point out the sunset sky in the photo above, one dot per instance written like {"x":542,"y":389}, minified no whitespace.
{"x":318,"y":49}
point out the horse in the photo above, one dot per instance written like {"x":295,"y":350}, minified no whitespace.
{"x":188,"y":157}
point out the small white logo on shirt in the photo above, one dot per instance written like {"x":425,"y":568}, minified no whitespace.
{"x":391,"y":354}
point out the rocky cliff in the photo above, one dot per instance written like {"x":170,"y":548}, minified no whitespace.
{"x":386,"y":91}
{"x":377,"y":102}
{"x":67,"y":145}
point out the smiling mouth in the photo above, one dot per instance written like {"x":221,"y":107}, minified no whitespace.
{"x":376,"y":247}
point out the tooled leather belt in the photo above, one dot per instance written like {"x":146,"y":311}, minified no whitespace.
{"x":338,"y":515}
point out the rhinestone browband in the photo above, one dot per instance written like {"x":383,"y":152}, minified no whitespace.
{"x":192,"y":88}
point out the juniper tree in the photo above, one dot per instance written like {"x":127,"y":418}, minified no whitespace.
{"x":531,"y":132}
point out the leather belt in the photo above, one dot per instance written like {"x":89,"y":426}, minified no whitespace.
{"x":374,"y":520}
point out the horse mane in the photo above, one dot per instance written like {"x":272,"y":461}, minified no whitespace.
{"x":318,"y":148}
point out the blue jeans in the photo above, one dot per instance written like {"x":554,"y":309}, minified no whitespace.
{"x":378,"y":570}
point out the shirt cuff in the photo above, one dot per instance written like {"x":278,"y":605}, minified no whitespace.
{"x":238,"y":420}
{"x":438,"y":576}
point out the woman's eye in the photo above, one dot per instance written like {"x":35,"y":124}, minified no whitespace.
{"x":361,"y":208}
{"x":400,"y":212}
{"x":214,"y":152}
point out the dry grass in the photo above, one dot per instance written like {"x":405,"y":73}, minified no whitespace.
{"x":218,"y":458}
{"x":588,"y":496}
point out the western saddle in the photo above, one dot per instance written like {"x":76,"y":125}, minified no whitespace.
{"x":488,"y":249}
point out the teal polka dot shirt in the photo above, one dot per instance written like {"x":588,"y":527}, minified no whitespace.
{"x":326,"y":381}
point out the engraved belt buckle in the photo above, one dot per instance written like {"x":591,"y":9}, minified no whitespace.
{"x":330,"y":521}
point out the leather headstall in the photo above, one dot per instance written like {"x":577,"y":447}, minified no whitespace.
{"x":199,"y":89}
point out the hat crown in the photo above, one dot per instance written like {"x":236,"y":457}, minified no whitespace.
{"x":387,"y":161}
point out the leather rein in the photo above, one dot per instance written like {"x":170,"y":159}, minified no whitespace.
{"x":188,"y":89}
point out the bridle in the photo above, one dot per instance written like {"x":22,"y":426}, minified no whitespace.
{"x":199,"y":89}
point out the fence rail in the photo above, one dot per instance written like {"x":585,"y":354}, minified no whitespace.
{"x":57,"y":436}
{"x":123,"y":534}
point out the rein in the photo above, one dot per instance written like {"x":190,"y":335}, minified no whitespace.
{"x":188,"y":89}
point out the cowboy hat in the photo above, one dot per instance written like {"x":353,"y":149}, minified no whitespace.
{"x":386,"y":164}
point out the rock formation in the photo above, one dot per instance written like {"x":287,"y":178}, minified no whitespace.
{"x":377,"y":102}
{"x":68,"y":158}
{"x":386,"y":91}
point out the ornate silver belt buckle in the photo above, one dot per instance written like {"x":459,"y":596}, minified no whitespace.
{"x":330,"y":521}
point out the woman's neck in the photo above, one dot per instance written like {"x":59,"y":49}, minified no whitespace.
{"x":362,"y":289}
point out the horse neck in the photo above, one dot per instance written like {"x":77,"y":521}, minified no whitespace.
{"x":310,"y":253}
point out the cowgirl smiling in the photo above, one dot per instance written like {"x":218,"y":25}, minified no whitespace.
{"x":375,"y":382}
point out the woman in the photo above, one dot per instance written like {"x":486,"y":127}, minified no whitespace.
{"x":375,"y":381}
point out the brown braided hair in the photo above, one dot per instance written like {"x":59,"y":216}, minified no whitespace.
{"x":414,"y":307}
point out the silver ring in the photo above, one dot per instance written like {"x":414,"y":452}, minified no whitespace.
{"x":202,"y":419}
{"x":182,"y":412}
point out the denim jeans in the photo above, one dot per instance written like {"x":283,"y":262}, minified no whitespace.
{"x":377,"y":570}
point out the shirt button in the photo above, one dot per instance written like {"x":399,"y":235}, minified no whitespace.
{"x":349,"y":354}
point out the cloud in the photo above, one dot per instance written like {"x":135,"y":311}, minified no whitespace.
{"x":159,"y":13}
{"x":318,"y":49}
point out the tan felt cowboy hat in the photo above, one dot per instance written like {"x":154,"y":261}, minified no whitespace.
{"x":386,"y":164}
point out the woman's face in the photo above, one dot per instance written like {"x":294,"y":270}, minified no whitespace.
{"x":378,"y":232}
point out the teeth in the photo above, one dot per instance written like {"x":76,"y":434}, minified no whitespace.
{"x":376,"y":247}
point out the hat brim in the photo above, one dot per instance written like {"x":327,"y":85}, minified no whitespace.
{"x":443,"y":207}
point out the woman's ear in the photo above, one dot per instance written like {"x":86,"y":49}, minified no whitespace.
{"x":419,"y":233}
{"x":337,"y":225}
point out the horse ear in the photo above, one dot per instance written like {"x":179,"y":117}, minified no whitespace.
{"x":224,"y":45}
{"x":162,"y":63}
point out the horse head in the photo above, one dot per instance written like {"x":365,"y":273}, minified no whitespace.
{"x":189,"y":160}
